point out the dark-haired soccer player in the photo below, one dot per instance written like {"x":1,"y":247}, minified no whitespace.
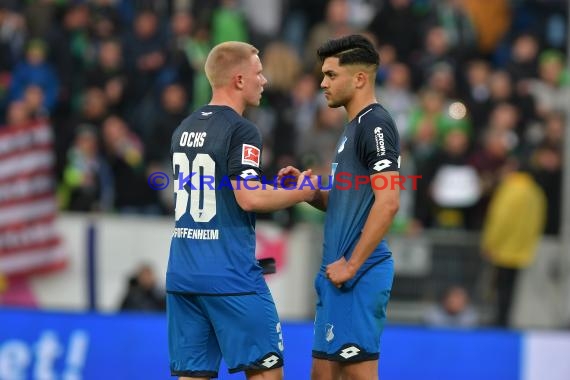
{"x":355,"y":280}
{"x":218,"y":303}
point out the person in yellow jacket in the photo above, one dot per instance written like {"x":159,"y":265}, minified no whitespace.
{"x":513,"y":227}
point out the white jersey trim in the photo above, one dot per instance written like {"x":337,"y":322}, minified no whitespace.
{"x":360,"y":117}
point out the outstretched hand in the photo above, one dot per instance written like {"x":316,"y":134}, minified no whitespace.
{"x":307,"y":182}
{"x":288,"y":176}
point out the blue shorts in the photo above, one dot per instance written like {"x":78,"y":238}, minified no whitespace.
{"x":244,"y":329}
{"x":349,"y":322}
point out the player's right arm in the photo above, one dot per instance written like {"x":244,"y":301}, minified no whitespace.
{"x":254,"y":197}
{"x":320,"y":198}
{"x":244,"y":170}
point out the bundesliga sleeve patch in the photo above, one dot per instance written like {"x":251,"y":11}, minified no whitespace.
{"x":250,"y":155}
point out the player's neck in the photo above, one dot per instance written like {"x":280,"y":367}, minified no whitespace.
{"x":357,"y":104}
{"x":222,"y":98}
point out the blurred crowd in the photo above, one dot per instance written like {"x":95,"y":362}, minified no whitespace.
{"x":477,"y":88}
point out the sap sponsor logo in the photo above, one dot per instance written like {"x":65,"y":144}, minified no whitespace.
{"x":379,"y":139}
{"x":192,"y":139}
{"x":47,"y":358}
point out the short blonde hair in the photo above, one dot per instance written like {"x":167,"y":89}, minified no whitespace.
{"x":224,"y":59}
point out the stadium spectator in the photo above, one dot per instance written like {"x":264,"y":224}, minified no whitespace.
{"x":35,"y":70}
{"x":546,"y":166}
{"x":523,"y":62}
{"x":71,"y":53}
{"x":196,"y":50}
{"x":397,"y":96}
{"x":453,"y":310}
{"x":146,"y":60}
{"x":453,"y":16}
{"x":397,"y":23}
{"x":490,"y":159}
{"x":491,"y":20}
{"x":12,"y":37}
{"x":477,"y":92}
{"x":512,"y":229}
{"x":316,"y":144}
{"x":435,"y":53}
{"x":143,"y":293}
{"x":334,"y":25}
{"x":109,"y":73}
{"x":550,"y":91}
{"x":181,"y":27}
{"x":34,"y":100}
{"x":305,"y":101}
{"x":18,"y":115}
{"x":124,"y":152}
{"x":282,"y":68}
{"x":453,"y":184}
{"x":87,"y":183}
{"x":173,"y":108}
{"x":228,"y":23}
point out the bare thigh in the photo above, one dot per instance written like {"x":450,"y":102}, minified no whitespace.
{"x":272,"y":374}
{"x":325,"y":370}
{"x":330,"y":370}
{"x":367,"y":370}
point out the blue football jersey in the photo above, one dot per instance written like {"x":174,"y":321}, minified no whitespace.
{"x":213,"y":244}
{"x":369,"y":144}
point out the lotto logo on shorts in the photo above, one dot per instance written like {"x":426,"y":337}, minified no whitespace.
{"x":270,"y":361}
{"x":349,"y":352}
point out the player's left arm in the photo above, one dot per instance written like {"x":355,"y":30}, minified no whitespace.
{"x":385,"y":206}
{"x":380,"y":152}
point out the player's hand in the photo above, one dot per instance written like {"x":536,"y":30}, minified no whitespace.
{"x":308,"y":184}
{"x":339,"y":272}
{"x":288,"y":176}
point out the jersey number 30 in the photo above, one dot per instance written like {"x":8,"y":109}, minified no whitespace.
{"x":202,"y":195}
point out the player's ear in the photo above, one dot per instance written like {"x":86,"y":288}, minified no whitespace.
{"x":239,"y":81}
{"x":360,"y":79}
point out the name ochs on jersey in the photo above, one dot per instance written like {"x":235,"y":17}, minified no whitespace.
{"x":192,"y":139}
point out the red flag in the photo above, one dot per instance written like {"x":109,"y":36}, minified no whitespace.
{"x":29,"y":242}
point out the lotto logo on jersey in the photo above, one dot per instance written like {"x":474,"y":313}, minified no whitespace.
{"x":381,"y":165}
{"x":250,"y":155}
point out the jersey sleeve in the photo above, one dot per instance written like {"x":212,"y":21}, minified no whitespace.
{"x":379,"y":145}
{"x":244,"y":159}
